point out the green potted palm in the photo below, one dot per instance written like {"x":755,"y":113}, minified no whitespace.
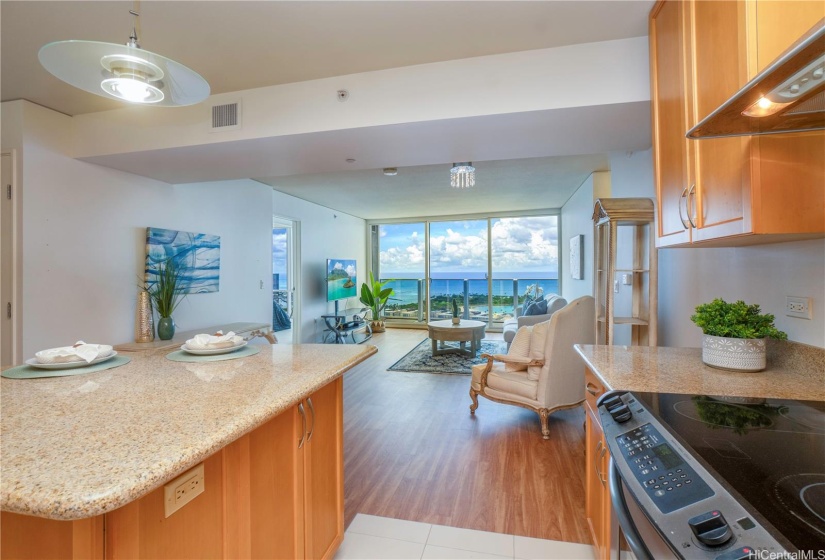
{"x":734,"y":335}
{"x":375,"y":296}
{"x":166,"y":294}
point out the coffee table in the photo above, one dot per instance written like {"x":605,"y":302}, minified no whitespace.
{"x":464,"y":332}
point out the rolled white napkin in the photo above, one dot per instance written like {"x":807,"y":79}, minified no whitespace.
{"x":213,"y":341}
{"x":80,"y":352}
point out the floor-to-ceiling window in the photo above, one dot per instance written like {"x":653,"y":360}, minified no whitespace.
{"x":402,"y":260}
{"x":486,"y":264}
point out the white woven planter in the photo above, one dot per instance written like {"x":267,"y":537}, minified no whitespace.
{"x":735,"y":354}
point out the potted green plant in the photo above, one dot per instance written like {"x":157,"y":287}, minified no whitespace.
{"x":375,"y":296}
{"x":734,"y":335}
{"x":456,"y":319}
{"x":166,"y":294}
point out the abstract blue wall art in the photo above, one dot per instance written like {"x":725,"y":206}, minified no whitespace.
{"x":197,"y":255}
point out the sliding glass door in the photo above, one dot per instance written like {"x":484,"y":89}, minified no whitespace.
{"x":401,"y":253}
{"x":524,"y":257}
{"x":459,"y":269}
{"x":486,"y":264}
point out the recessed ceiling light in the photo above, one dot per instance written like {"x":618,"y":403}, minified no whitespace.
{"x":390,"y":171}
{"x":350,"y":160}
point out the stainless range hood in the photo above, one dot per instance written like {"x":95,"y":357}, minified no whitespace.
{"x":788,"y":96}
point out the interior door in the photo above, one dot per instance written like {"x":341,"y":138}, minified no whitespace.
{"x":6,"y":256}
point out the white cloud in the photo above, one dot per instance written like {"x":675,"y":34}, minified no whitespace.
{"x":350,"y":270}
{"x":519,"y":244}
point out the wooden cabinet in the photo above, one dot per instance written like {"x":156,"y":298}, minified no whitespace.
{"x":728,"y":191}
{"x":597,"y":506}
{"x":277,"y":492}
{"x":324,"y":472}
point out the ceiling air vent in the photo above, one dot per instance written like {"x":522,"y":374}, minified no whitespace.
{"x":226,"y":117}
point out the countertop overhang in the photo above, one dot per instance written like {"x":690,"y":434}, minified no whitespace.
{"x":75,"y":447}
{"x":661,"y":369}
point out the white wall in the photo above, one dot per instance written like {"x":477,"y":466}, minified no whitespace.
{"x":83,"y":242}
{"x":577,"y":219}
{"x":325,"y":234}
{"x":762,"y":274}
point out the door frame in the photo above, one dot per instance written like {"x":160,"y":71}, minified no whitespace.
{"x":293,"y":268}
{"x":14,"y":259}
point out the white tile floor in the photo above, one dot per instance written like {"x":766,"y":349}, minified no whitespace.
{"x":382,"y":538}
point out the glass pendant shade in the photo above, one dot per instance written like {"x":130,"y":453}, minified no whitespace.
{"x":124,"y":72}
{"x":463,"y":175}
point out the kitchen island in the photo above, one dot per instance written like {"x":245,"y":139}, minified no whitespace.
{"x":96,"y":448}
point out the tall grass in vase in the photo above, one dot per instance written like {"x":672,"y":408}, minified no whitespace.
{"x":166,"y":294}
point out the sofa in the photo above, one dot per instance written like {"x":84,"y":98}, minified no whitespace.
{"x":554,"y":303}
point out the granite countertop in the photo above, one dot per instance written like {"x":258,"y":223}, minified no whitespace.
{"x":794,"y":372}
{"x":79,"y":446}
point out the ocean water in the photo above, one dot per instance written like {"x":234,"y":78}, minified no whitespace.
{"x":406,"y":290}
{"x":336,"y":289}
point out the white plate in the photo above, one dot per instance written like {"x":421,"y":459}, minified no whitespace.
{"x":69,"y":365}
{"x":213,"y":351}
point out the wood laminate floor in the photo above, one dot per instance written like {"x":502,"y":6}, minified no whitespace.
{"x":413,"y":451}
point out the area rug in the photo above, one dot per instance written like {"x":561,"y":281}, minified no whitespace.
{"x":421,"y":359}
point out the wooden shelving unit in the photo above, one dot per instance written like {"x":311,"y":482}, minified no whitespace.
{"x":625,"y":243}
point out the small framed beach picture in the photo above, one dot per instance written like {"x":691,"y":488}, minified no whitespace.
{"x":577,"y":257}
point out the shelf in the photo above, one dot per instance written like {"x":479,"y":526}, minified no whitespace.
{"x":625,"y":321}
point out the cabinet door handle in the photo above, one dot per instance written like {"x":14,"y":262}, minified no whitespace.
{"x":312,"y":410}
{"x":596,"y":460}
{"x":688,"y":207}
{"x":592,"y":389}
{"x":303,"y":424}
{"x":601,"y":476}
{"x":683,"y":195}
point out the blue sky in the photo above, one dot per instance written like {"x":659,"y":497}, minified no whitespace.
{"x":279,"y":249}
{"x":519,"y":245}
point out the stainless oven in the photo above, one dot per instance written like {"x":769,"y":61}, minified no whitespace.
{"x":695,"y":476}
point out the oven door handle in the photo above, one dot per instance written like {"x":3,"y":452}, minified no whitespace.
{"x":631,"y":534}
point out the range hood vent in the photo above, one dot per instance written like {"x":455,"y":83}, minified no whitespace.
{"x":789,"y":94}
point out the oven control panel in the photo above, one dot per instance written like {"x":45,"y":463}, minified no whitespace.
{"x":666,"y":478}
{"x":687,"y":507}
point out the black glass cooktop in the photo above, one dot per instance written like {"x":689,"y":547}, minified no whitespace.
{"x":769,"y":451}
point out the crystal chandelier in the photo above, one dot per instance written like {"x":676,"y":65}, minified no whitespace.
{"x":463,"y":175}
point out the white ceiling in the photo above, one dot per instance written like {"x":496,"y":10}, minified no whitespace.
{"x":239,"y":45}
{"x":503,"y":186}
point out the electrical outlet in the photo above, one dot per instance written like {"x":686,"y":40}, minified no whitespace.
{"x":183,"y":490}
{"x":627,"y":279}
{"x":799,"y":307}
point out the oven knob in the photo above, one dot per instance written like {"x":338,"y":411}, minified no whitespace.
{"x":621,"y":414}
{"x":711,"y":528}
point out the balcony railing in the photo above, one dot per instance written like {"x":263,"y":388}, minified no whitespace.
{"x":408,"y":303}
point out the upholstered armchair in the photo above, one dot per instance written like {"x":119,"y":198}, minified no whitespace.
{"x":554,"y":379}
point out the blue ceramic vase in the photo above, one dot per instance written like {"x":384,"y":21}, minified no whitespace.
{"x":166,"y":328}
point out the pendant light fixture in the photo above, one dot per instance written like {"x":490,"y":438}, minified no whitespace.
{"x":125,"y":72}
{"x":463,"y":175}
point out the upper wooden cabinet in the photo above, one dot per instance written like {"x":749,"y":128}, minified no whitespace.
{"x":728,"y":191}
